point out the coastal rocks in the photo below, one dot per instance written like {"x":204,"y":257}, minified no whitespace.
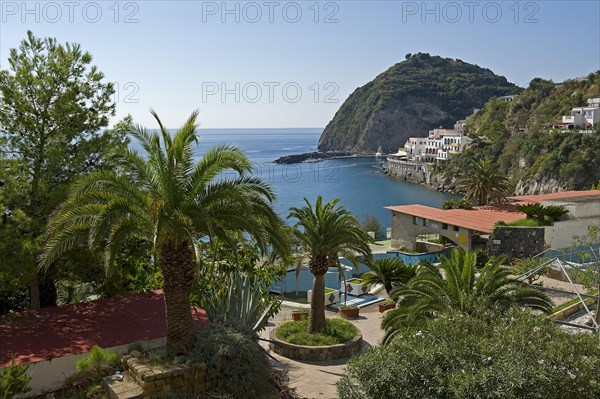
{"x":540,"y":186}
{"x":440,"y":182}
{"x":421,"y":174}
{"x":311,"y":157}
{"x":410,"y":174}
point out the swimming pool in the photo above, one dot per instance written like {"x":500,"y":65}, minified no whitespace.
{"x":332,"y":277}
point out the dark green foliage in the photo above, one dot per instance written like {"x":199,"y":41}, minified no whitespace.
{"x":236,"y":362}
{"x":14,"y":380}
{"x":484,"y":182}
{"x":454,"y":287}
{"x":337,"y":331}
{"x":518,"y":355}
{"x":222,"y":264}
{"x":173,"y":203}
{"x":323,"y":233}
{"x":526,"y":222}
{"x":517,"y":136}
{"x":453,"y":87}
{"x":544,"y":215}
{"x":526,"y":268}
{"x":371,"y":223}
{"x":533,"y":211}
{"x":555,"y":212}
{"x":391,"y":272}
{"x":97,"y":364}
{"x":53,"y":106}
{"x":457,"y":204}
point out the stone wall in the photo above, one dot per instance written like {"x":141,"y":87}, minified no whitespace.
{"x":516,"y":242}
{"x":316,"y":353}
{"x":144,"y":380}
{"x":407,"y":171}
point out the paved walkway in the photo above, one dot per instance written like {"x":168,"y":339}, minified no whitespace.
{"x":318,"y":379}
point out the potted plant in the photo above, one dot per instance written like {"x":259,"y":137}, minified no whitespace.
{"x":386,"y":305}
{"x":300,"y":314}
{"x":349,"y":311}
{"x":331,"y":296}
{"x":357,"y":286}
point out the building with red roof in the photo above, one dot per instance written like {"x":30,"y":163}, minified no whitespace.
{"x":461,"y":226}
{"x":52,"y":339}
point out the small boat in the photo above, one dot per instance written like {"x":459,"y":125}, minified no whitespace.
{"x":378,"y":154}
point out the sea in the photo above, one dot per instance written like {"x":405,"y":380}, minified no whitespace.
{"x":359,"y":182}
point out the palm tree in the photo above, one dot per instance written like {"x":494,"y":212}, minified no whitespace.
{"x":173,"y":202}
{"x":485,"y":182}
{"x":454,"y":287}
{"x":324,"y":233}
{"x":390,"y":272}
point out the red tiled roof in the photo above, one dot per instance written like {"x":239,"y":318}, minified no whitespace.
{"x":44,"y":334}
{"x":481,"y":220}
{"x":555,"y":196}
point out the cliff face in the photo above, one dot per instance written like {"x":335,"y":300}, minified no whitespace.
{"x":519,"y":137}
{"x":410,"y":98}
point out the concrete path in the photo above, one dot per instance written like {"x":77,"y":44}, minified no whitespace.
{"x":318,"y":379}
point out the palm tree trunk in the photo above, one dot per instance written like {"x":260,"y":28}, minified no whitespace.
{"x":317,"y":305}
{"x":177,"y":265}
{"x":34,"y":292}
{"x":388,"y":287}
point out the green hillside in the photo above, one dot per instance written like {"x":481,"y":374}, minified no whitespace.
{"x":409,"y":99}
{"x":519,"y":136}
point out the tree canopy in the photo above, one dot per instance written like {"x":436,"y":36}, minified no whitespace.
{"x":53,"y":106}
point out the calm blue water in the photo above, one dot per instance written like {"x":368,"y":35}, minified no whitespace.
{"x":362,"y":188}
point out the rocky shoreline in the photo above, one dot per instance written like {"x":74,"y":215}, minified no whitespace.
{"x":313,"y":157}
{"x":438,"y":182}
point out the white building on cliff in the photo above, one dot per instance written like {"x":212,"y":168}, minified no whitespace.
{"x":439,"y":145}
{"x":583,"y":117}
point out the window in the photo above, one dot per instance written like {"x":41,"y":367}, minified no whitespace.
{"x":425,"y":222}
{"x":454,"y":228}
{"x":444,"y":226}
{"x":415,"y":220}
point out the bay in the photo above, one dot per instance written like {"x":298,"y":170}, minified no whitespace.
{"x":358,"y":182}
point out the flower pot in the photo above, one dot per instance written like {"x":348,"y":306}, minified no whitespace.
{"x":357,"y":287}
{"x":349,"y":313}
{"x":383,"y":308}
{"x":300,"y":314}
{"x":331,"y":296}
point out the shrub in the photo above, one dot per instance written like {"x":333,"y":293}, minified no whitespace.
{"x":527,"y":222}
{"x":519,"y":355}
{"x":457,"y":204}
{"x":371,"y":223}
{"x":238,"y":364}
{"x":337,"y":331}
{"x":387,"y":302}
{"x":98,"y":363}
{"x":14,"y":380}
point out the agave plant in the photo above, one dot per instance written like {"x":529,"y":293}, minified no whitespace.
{"x":243,"y":304}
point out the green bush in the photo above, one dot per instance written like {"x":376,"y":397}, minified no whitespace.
{"x":526,"y":222}
{"x":98,"y":363}
{"x":14,"y":380}
{"x":519,"y":355}
{"x":238,"y":364}
{"x":337,"y":331}
{"x":457,"y":204}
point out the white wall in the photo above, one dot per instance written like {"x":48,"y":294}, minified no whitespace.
{"x":561,"y":234}
{"x":579,"y":210}
{"x":50,"y":375}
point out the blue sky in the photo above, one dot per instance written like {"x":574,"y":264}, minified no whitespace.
{"x":292,"y":64}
